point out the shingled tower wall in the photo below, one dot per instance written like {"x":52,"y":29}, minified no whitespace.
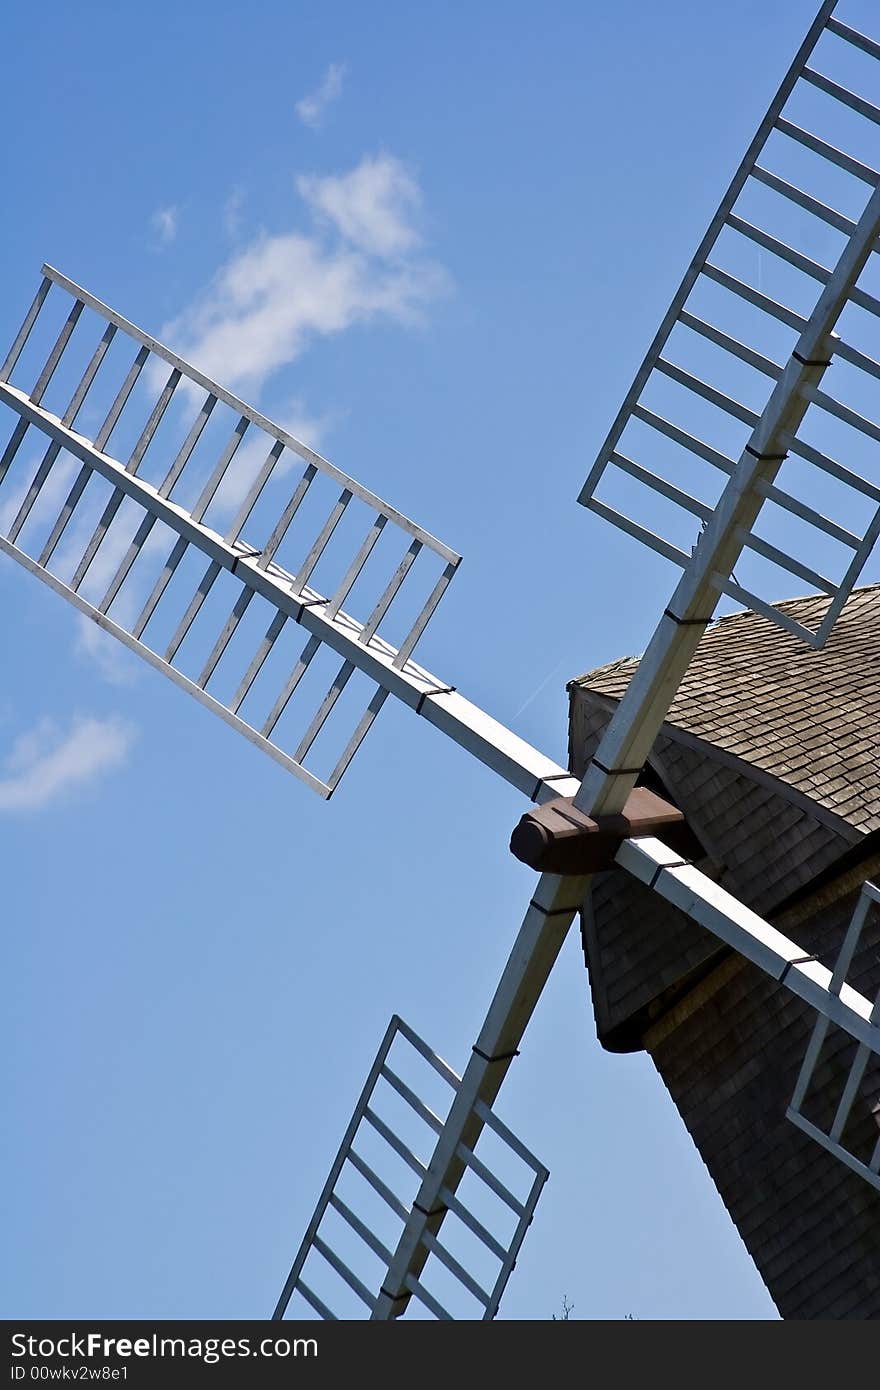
{"x":772,"y":750}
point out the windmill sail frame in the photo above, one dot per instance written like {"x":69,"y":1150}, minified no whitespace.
{"x":503,"y":1248}
{"x":612,"y":460}
{"x":291,"y":597}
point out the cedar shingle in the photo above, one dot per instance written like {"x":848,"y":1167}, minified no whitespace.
{"x":763,"y":695}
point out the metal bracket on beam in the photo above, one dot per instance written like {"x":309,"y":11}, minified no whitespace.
{"x":557,"y":838}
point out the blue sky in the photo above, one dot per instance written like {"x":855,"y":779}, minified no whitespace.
{"x":435,"y":243}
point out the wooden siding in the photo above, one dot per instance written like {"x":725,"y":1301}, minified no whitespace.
{"x":759,"y":844}
{"x":729,"y":1062}
{"x":726,"y":1040}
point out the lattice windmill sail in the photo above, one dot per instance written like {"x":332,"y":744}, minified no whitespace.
{"x":749,"y":329}
{"x":169,"y":495}
{"x":499,"y":1247}
{"x":327,"y":527}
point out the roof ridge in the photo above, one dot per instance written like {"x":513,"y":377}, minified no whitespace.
{"x":604,"y":670}
{"x":785,"y":603}
{"x":608,"y":667}
{"x":808,"y":716}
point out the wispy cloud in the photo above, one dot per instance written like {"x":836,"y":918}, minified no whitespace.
{"x":311,"y":108}
{"x":269,"y":299}
{"x":51,"y":494}
{"x":232,"y":212}
{"x":371,"y":206}
{"x":46,"y":763}
{"x":164,"y":225}
{"x":115,"y":663}
{"x":113,"y":660}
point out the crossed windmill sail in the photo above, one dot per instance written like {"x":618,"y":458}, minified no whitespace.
{"x":750,"y":453}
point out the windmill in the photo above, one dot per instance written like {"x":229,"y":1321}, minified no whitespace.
{"x":287,"y":567}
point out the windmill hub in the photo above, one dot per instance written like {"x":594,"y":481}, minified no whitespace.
{"x":557,"y":838}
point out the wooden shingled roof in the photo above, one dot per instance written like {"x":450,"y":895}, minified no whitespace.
{"x":809,"y":718}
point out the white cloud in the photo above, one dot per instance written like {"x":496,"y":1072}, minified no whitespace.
{"x":311,"y":108}
{"x":115,"y":663}
{"x":45,"y":763}
{"x":302,"y":424}
{"x":232,"y":210}
{"x":111,"y":550}
{"x":51,"y":496}
{"x":268,"y":300}
{"x":112,"y":659}
{"x":164,"y":224}
{"x":370,"y":206}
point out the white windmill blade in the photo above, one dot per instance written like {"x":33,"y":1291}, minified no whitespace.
{"x":832,"y":1139}
{"x":295,"y":569}
{"x":728,"y":527}
{"x":680,"y":883}
{"x":753,"y":340}
{"x":546,"y":923}
{"x":487,"y":1257}
{"x":836,"y":1004}
{"x":544,"y":928}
